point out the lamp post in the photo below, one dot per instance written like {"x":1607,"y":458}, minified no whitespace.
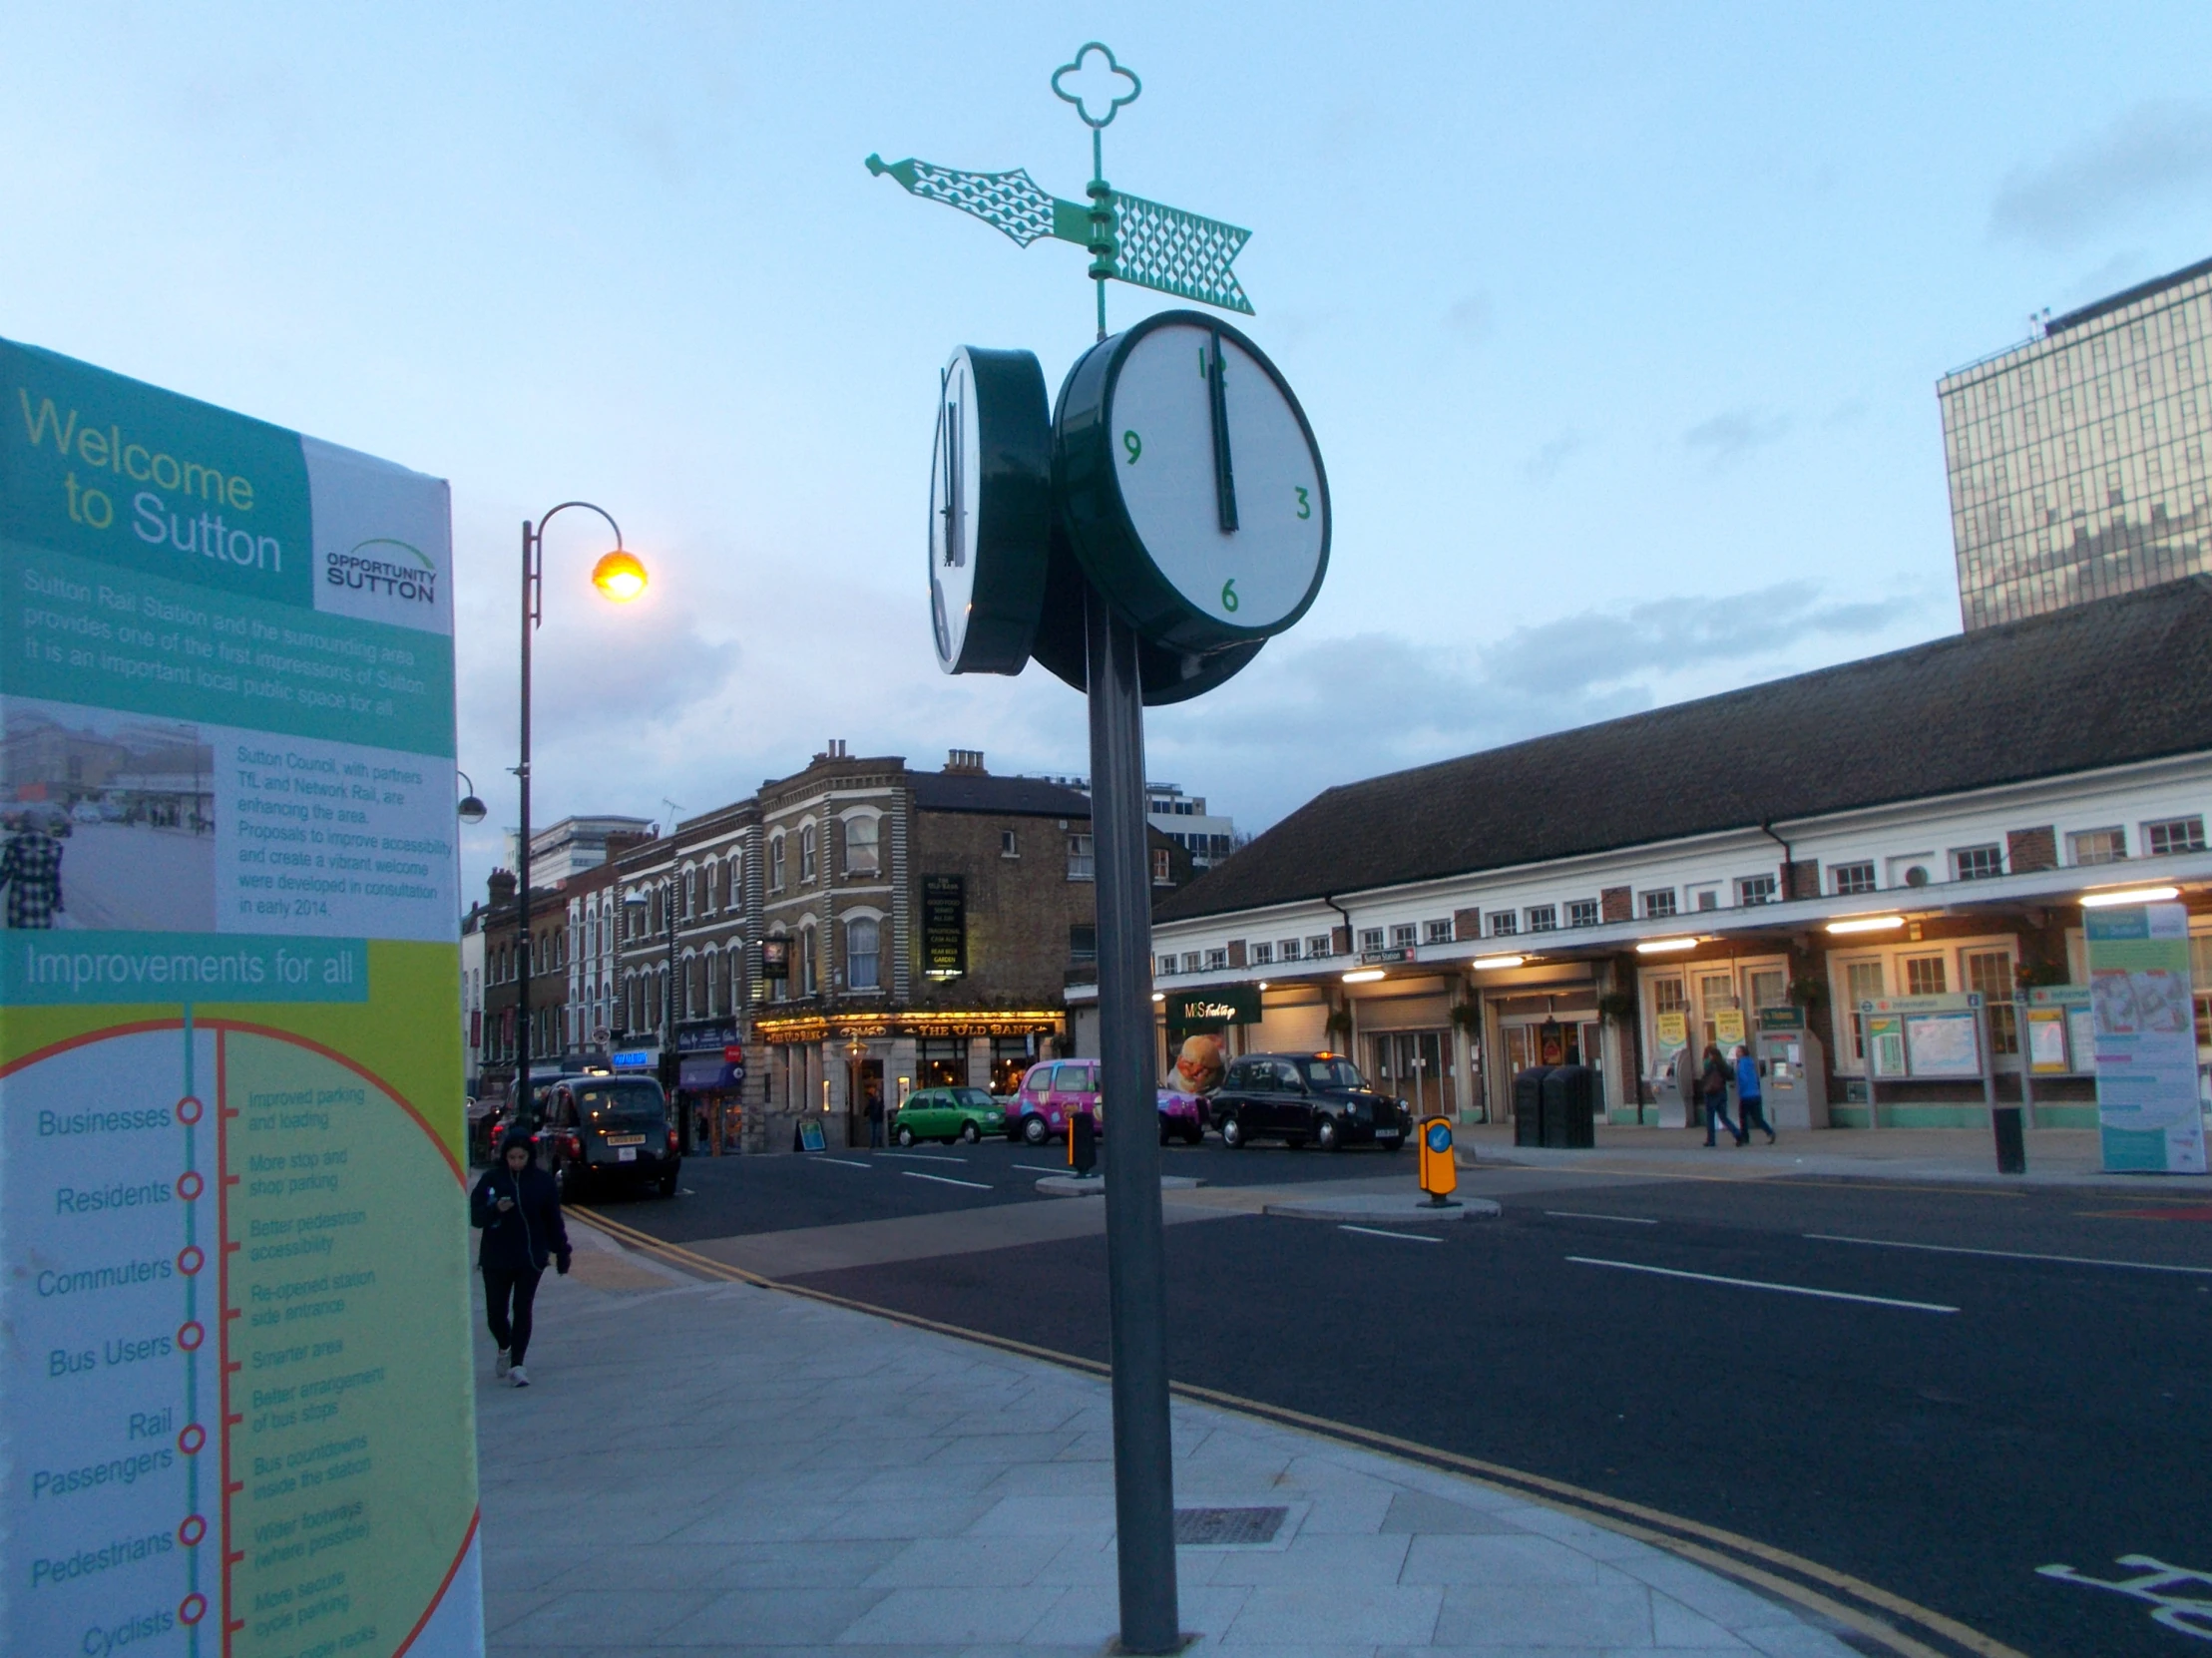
{"x":854,"y":1048}
{"x":620,"y":578}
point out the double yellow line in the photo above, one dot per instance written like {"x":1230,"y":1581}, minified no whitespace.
{"x":1901,"y":1625}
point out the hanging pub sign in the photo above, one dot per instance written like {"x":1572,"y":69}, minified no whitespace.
{"x":943,"y":925}
{"x":776,"y":958}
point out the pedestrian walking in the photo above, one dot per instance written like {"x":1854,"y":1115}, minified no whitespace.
{"x":875,"y":1112}
{"x":1713,"y":1083}
{"x":1751,"y":1108}
{"x":31,"y":867}
{"x":518,"y":1207}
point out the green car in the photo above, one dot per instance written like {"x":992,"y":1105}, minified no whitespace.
{"x":946,"y":1114}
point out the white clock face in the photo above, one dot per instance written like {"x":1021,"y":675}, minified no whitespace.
{"x":1183,"y":487}
{"x":955,"y":499}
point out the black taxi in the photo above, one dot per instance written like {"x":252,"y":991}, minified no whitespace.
{"x":608,"y":1130}
{"x":1306,"y":1100}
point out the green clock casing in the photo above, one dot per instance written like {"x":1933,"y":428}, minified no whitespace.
{"x":1189,"y":484}
{"x":989,"y":511}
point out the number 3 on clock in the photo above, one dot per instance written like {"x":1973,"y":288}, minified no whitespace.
{"x":1305,"y":502}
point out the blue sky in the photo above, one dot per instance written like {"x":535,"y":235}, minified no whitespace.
{"x":1618,"y":326}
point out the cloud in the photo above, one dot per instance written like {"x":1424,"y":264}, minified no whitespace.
{"x":1544,"y":464}
{"x":1734,"y":433}
{"x":2153,"y":155}
{"x":1308,"y":716}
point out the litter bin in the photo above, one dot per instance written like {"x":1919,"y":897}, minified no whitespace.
{"x":1569,"y":1108}
{"x":1528,"y":1106}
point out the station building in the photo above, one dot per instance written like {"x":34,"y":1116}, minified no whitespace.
{"x":1924,"y":824}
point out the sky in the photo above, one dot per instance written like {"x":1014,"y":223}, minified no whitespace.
{"x":1617,"y":326}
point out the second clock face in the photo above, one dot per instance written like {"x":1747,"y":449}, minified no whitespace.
{"x":1196,"y":492}
{"x":989,"y":511}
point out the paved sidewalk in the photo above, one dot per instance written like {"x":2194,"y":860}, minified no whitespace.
{"x":712,"y":1467}
{"x":2055,"y":1156}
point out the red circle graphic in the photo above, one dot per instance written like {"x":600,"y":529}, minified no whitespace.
{"x":194,"y":1528}
{"x":190,"y":1259}
{"x":192,"y":1608}
{"x":191,"y":1439}
{"x":189,"y":1335}
{"x":190,"y":1110}
{"x":189,"y":1185}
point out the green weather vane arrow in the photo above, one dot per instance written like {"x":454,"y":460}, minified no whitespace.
{"x":1130,"y":239}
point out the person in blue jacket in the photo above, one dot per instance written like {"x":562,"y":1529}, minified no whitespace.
{"x":517,"y":1208}
{"x":1751,"y":1108}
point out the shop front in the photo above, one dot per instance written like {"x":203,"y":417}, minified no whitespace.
{"x":710,"y":1079}
{"x":831,"y":1066}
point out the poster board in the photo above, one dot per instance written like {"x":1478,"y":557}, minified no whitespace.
{"x":2060,"y":1030}
{"x":1671,"y":1032}
{"x":1885,"y":1043}
{"x":1728,"y":1030}
{"x":2148,"y":1118}
{"x":1933,"y":1037}
{"x":237,"y":1408}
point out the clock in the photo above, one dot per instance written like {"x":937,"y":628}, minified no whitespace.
{"x":1191,"y":486}
{"x":989,"y":511}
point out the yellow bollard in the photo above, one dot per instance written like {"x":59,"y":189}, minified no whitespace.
{"x":1440,"y":1175}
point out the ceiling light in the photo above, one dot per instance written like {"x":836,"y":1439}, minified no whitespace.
{"x":1159,"y":996}
{"x":1866,"y":923}
{"x":1363,"y":976}
{"x":2129,"y":895}
{"x":1485,"y":964}
{"x":1659,"y":947}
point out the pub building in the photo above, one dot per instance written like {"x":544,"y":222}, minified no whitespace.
{"x":854,"y":932}
{"x":1874,"y":874}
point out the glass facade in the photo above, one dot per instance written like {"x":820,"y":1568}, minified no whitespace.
{"x":2076,"y":461}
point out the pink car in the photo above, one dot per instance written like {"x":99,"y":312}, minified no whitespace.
{"x":1050,"y":1091}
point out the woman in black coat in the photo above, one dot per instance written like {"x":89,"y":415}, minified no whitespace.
{"x":1713,"y":1084}
{"x":517,"y":1208}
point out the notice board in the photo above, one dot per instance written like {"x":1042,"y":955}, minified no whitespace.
{"x":235,"y":1407}
{"x":2148,"y":1118}
{"x":943,"y":925}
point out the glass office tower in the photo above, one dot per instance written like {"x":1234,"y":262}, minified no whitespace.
{"x":2076,"y":459}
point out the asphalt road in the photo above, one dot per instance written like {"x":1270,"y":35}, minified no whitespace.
{"x":1940,"y":1424}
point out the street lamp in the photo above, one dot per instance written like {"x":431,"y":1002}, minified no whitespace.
{"x":471,"y":811}
{"x":620,"y":578}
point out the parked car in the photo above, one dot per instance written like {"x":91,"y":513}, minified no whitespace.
{"x":1048,"y":1093}
{"x":946,"y":1114}
{"x":1182,"y":1116}
{"x":1306,"y":1100}
{"x":609,"y":1130}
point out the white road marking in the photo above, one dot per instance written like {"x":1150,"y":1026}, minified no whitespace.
{"x":1759,"y":1284}
{"x":837,"y":1163}
{"x":2009,"y":1254}
{"x":1376,"y":1232}
{"x":1584,"y":1214}
{"x":921,"y":1156}
{"x":1039,"y":1168}
{"x":945,"y":1180}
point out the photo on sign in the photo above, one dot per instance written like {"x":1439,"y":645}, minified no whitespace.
{"x":109,"y":818}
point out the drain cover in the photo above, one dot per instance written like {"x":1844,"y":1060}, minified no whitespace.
{"x":1228,"y":1526}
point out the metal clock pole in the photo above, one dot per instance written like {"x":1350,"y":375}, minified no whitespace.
{"x":1136,"y":1269}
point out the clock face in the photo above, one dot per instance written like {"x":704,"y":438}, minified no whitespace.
{"x":1195,"y":493}
{"x":989,"y":511}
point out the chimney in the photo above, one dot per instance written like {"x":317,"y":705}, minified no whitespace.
{"x":501,"y":887}
{"x":966,"y":762}
{"x":835,"y":750}
{"x":619,"y":840}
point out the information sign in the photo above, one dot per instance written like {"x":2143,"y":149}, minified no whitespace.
{"x":1728,"y":1027}
{"x":2148,"y":1118}
{"x":943,"y":925}
{"x":1936,"y":1037}
{"x":1672,"y":1031}
{"x":236,"y":1402}
{"x":2060,"y":1024}
{"x":810,"y":1136}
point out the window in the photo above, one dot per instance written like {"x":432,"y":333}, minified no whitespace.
{"x":776,"y":864}
{"x":1371,"y":939}
{"x":1658,"y":902}
{"x":1010,"y":844}
{"x":1543,"y":918}
{"x":1287,"y":949}
{"x":1163,"y":867}
{"x":1503,"y":923}
{"x":1581,"y":912}
{"x":1082,"y":861}
{"x":862,"y":855}
{"x":1991,"y":972}
{"x":1847,"y":879}
{"x":2174,"y":834}
{"x":1977,"y":863}
{"x":1403,"y":936}
{"x":1318,"y":948}
{"x":1706,"y":897}
{"x":1263,"y":955}
{"x":809,"y":974}
{"x":1216,"y":959}
{"x":1166,"y":963}
{"x":1190,"y":961}
{"x":806,"y":854}
{"x":1083,"y":942}
{"x":2096,"y":846}
{"x":863,"y":959}
{"x":1757,"y":889}
{"x":1924,"y":976}
{"x":1436,"y":932}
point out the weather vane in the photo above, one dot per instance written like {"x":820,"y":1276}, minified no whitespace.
{"x":1145,"y":243}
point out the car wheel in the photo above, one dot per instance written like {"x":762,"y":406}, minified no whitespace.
{"x":1326,"y":1136}
{"x":1194,"y":1135}
{"x":1232,"y":1133}
{"x":667,"y":1184}
{"x":905,"y":1135}
{"x":1035,"y":1132}
{"x":970,"y":1133}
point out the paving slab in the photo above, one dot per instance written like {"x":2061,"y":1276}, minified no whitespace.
{"x":784,"y":1520}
